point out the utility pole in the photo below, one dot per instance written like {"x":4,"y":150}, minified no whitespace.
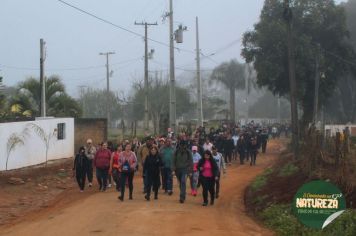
{"x":172,"y":88}
{"x":199,"y":94}
{"x":316,"y":86}
{"x":292,"y":81}
{"x":146,"y":73}
{"x":279,"y":109}
{"x":42,"y":78}
{"x":107,"y":54}
{"x":247,"y":85}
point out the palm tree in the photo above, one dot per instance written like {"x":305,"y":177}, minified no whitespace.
{"x":58,"y":103}
{"x":32,"y":88}
{"x":64,"y":105}
{"x":232,"y":75}
{"x":13,"y":141}
{"x":41,"y":133}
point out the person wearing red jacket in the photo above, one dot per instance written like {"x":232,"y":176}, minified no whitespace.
{"x":102,"y":163}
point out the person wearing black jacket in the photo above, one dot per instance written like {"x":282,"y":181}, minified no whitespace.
{"x":228,"y":147}
{"x":151,"y":168}
{"x":80,"y":167}
{"x":208,"y":175}
{"x":253,"y":150}
{"x":241,"y":148}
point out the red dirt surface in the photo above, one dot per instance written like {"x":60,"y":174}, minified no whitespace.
{"x":67,"y":212}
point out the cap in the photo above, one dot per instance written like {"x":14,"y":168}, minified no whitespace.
{"x":89,"y":140}
{"x":194,"y":148}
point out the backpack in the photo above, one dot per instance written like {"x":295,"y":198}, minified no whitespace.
{"x":126,"y":167}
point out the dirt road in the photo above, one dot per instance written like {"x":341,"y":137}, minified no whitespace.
{"x":103,"y":214}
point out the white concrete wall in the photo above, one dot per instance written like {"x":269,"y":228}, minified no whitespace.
{"x":33,"y":151}
{"x":334,"y":128}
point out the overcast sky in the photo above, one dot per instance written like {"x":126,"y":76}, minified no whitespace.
{"x":74,"y":40}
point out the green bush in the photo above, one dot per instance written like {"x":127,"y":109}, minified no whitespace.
{"x":288,"y":170}
{"x":284,"y":223}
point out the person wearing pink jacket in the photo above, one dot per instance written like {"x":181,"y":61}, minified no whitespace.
{"x":127,"y":166}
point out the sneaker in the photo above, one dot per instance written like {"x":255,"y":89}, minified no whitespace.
{"x":205,"y":204}
{"x":130,"y":198}
{"x":170,"y":193}
{"x":109,"y":185}
{"x":147,"y":197}
{"x":90,"y":184}
{"x":120,"y":198}
{"x":81,"y":191}
{"x":181,"y":201}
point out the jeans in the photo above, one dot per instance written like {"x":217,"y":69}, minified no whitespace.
{"x":228,"y":157}
{"x":116,"y":177}
{"x":182,"y":178}
{"x":217,"y":186}
{"x":242,"y":157}
{"x":145,"y":183}
{"x":80,"y":176}
{"x":102,"y":177}
{"x":208,"y":186}
{"x":264,"y":146}
{"x":194,"y":180}
{"x":152,"y":184}
{"x":129,"y":177}
{"x":168,"y":180}
{"x":90,"y":171}
{"x":253,"y":157}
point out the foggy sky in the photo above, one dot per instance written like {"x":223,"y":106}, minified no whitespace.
{"x":74,"y":40}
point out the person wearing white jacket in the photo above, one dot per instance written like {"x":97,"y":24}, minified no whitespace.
{"x":218,"y":157}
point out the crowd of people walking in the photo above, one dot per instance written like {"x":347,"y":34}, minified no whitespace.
{"x":201,"y":157}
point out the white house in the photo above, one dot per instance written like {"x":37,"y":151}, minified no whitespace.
{"x":330,"y":130}
{"x":30,"y":143}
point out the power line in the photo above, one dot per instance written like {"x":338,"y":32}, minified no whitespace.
{"x":69,"y":68}
{"x":339,"y":57}
{"x":121,"y":27}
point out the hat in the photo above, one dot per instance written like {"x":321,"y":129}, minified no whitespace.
{"x":89,"y":140}
{"x":194,"y":148}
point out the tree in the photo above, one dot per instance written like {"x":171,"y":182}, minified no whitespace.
{"x":41,"y":133}
{"x":26,"y":102}
{"x":158,"y":99}
{"x":232,"y":75}
{"x":267,"y":107}
{"x":93,"y":103}
{"x":315,"y":23}
{"x":14,"y":140}
{"x":342,"y":107}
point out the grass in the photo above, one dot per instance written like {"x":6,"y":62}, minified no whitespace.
{"x":288,"y":170}
{"x":284,"y":223}
{"x":261,"y":180}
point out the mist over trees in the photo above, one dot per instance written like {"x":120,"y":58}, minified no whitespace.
{"x":342,"y":107}
{"x":316,"y":23}
{"x":233,"y":76}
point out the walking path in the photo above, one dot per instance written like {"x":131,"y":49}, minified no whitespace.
{"x":104,"y":214}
